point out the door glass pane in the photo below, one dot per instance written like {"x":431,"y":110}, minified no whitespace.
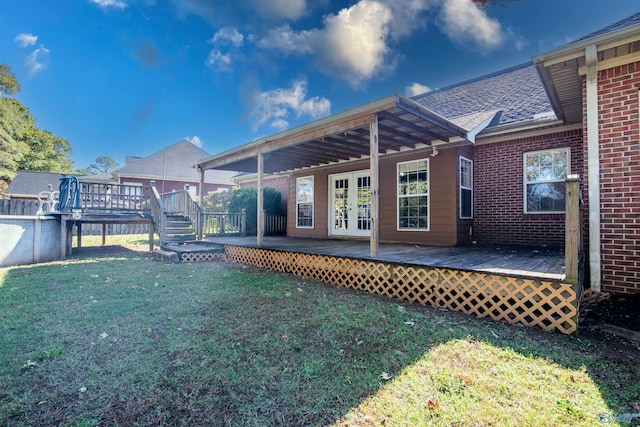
{"x":364,"y":203}
{"x":342,"y":204}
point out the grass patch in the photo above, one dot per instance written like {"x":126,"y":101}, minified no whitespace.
{"x":120,"y":339}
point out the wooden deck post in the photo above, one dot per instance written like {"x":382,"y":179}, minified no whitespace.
{"x":63,"y":237}
{"x":572,"y":247}
{"x":260,"y":213}
{"x":79,"y":234}
{"x":374,"y":184}
{"x":201,"y":201}
{"x":151,"y":235}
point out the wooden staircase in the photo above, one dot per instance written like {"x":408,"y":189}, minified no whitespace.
{"x":179,"y":229}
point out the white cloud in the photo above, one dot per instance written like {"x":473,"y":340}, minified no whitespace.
{"x":281,"y":9}
{"x":219,"y":61}
{"x":24,"y":39}
{"x":34,"y":60}
{"x":205,"y":9}
{"x":227,"y":35}
{"x":352,"y":44}
{"x":408,"y":15}
{"x":416,"y":89}
{"x":286,"y":40}
{"x":274,"y":107}
{"x":195,"y":141}
{"x":105,"y":4}
{"x":463,"y":22}
{"x":358,"y":43}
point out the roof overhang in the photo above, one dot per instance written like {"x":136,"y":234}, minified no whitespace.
{"x":562,"y":69}
{"x":402,"y":125}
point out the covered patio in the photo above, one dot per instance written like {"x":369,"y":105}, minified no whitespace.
{"x":519,"y":285}
{"x":389,"y":126}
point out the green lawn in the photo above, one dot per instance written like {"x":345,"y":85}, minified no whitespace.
{"x":120,"y":339}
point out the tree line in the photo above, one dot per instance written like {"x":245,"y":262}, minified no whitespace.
{"x":23,"y":144}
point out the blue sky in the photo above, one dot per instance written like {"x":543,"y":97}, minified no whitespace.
{"x":129,"y":77}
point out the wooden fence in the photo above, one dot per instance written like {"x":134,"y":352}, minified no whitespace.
{"x":18,"y":207}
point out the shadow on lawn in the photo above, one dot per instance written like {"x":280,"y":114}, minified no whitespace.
{"x":222,"y":344}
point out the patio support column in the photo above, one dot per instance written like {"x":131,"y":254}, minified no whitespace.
{"x":260,"y":213}
{"x":593,"y":167}
{"x":374,"y":171}
{"x":201,"y":201}
{"x":201,"y":191}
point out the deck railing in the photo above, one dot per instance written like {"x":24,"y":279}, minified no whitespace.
{"x":275,"y":225}
{"x":224,"y":224}
{"x":100,"y":197}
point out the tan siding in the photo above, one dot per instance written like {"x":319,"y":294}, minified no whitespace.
{"x":463,"y":225}
{"x":443,"y":187}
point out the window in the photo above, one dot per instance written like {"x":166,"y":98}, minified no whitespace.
{"x":304,"y":202}
{"x":544,"y":176}
{"x":413,"y":195}
{"x":466,"y":188}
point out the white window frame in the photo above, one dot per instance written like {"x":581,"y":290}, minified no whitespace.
{"x":427,"y":194}
{"x":305,"y":201}
{"x":465,"y":187}
{"x":566,"y":150}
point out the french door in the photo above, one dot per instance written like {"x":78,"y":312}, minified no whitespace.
{"x":350,"y":204}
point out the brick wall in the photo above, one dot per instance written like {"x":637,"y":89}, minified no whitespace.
{"x":499,"y":216}
{"x":619,"y":178}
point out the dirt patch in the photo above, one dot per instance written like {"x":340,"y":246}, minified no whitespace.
{"x":621,"y":310}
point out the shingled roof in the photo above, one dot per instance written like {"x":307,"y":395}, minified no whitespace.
{"x":517,"y":93}
{"x":30,"y":184}
{"x":624,"y":23}
{"x":173,"y":163}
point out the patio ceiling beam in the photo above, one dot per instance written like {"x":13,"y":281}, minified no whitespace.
{"x":385,"y":142}
{"x":289,"y":139}
{"x":324,"y":154}
{"x":337,"y":146}
{"x":398,"y":136}
{"x":351,"y":148}
{"x":410,"y":125}
{"x":431,"y":117}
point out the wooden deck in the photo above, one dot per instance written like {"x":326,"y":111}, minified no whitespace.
{"x":542,"y":263}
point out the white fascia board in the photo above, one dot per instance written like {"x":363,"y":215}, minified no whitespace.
{"x":576,"y":49}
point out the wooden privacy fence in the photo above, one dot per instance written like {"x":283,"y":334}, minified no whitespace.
{"x":18,"y":207}
{"x":550,"y":304}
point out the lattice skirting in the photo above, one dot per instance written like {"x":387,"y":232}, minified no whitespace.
{"x":549,"y":304}
{"x":200,"y":256}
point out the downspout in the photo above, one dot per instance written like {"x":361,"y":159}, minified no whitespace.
{"x":593,"y":165}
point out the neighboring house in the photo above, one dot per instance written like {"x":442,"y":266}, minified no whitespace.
{"x":171,"y":169}
{"x":28,"y":185}
{"x":484,"y":160}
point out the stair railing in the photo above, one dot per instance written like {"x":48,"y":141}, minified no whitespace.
{"x":181,"y":202}
{"x":159,"y":213}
